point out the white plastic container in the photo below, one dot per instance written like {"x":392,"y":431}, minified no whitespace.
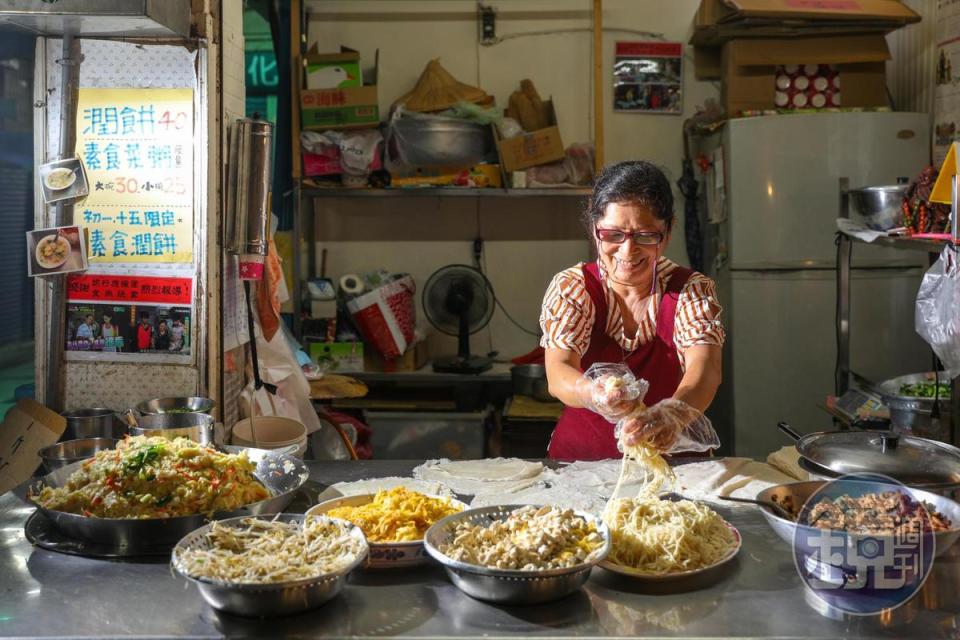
{"x":273,"y":432}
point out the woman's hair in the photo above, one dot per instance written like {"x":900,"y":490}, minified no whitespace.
{"x":635,"y":182}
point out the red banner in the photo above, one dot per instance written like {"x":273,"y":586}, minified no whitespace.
{"x":135,"y":289}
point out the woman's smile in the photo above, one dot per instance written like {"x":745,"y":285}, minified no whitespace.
{"x":627,"y":263}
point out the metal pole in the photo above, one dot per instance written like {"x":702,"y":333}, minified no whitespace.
{"x":598,"y":80}
{"x":63,"y":214}
{"x":297,"y":258}
{"x":844,"y":245}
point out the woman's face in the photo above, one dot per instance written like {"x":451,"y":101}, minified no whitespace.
{"x":630,"y":262}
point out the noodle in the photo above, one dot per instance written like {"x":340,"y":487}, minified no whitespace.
{"x":152,"y":477}
{"x":657,"y":536}
{"x":661,"y":536}
{"x":262,"y":551}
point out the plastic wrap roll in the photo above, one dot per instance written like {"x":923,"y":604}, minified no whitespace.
{"x":351,"y":284}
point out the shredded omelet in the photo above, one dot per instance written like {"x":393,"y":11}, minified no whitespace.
{"x":152,"y":477}
{"x":397,"y":515}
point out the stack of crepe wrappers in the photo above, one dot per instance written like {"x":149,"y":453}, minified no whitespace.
{"x":437,"y":90}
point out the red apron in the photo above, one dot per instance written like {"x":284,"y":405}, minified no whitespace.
{"x":582,"y":434}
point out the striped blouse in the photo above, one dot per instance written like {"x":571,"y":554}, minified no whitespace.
{"x":567,"y":315}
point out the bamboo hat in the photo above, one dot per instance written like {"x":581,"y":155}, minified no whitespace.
{"x":437,"y":90}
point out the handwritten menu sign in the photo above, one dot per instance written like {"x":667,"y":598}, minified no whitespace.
{"x":137,"y":147}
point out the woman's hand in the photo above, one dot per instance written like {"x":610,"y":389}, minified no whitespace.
{"x":610,"y":390}
{"x":671,"y":426}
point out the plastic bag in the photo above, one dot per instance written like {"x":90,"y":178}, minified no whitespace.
{"x":612,"y":390}
{"x":579,"y":163}
{"x":386,"y":316}
{"x":474,"y":113}
{"x":938,"y":308}
{"x":671,"y":425}
{"x":510,"y":128}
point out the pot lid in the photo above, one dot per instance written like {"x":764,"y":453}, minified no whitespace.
{"x":916,"y":462}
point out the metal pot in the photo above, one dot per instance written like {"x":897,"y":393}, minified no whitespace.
{"x":878,"y":207}
{"x":195,"y":426}
{"x":423,"y":140}
{"x":916,"y":462}
{"x":911,"y":412}
{"x":176,"y":405}
{"x":98,"y":422}
{"x":70,"y":451}
{"x":531,"y":380}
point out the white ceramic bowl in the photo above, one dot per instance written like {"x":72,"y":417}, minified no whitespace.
{"x":52,"y":264}
{"x":384,"y":555}
{"x":59,"y":179}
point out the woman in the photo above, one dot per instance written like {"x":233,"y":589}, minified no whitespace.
{"x":176,"y":335}
{"x":162,"y":341}
{"x":109,"y":334}
{"x":632,"y":306}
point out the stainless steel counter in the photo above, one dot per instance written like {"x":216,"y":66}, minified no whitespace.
{"x":47,"y":594}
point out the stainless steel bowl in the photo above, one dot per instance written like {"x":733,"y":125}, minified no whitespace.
{"x":878,"y":207}
{"x":531,"y":380}
{"x":176,"y":405}
{"x":265,"y":600}
{"x":911,"y":412}
{"x":195,"y":426}
{"x":503,"y":585}
{"x":70,"y":451}
{"x":427,"y":141}
{"x":800,"y":492}
{"x":98,"y":422}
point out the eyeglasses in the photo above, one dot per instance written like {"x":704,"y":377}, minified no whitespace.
{"x":616,"y":236}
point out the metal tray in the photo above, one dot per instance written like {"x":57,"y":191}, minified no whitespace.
{"x":41,"y":532}
{"x":282,"y":475}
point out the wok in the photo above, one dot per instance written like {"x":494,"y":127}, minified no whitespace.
{"x":281,"y":474}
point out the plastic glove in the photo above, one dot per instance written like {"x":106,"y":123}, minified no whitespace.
{"x":610,"y":390}
{"x":671,"y":426}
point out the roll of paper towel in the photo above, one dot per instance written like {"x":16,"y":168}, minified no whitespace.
{"x":351,"y":284}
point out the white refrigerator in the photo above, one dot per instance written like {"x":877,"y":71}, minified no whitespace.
{"x":771,"y":249}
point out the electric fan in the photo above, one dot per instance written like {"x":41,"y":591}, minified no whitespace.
{"x":458,"y":300}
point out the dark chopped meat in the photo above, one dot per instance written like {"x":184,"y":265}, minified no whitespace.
{"x":884,"y":512}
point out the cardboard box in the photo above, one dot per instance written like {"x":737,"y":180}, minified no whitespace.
{"x":749,"y":65}
{"x":718,"y":21}
{"x":531,"y":149}
{"x":338,"y":357}
{"x":28,"y":427}
{"x":333,"y":70}
{"x":414,"y":358}
{"x":344,"y":108}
